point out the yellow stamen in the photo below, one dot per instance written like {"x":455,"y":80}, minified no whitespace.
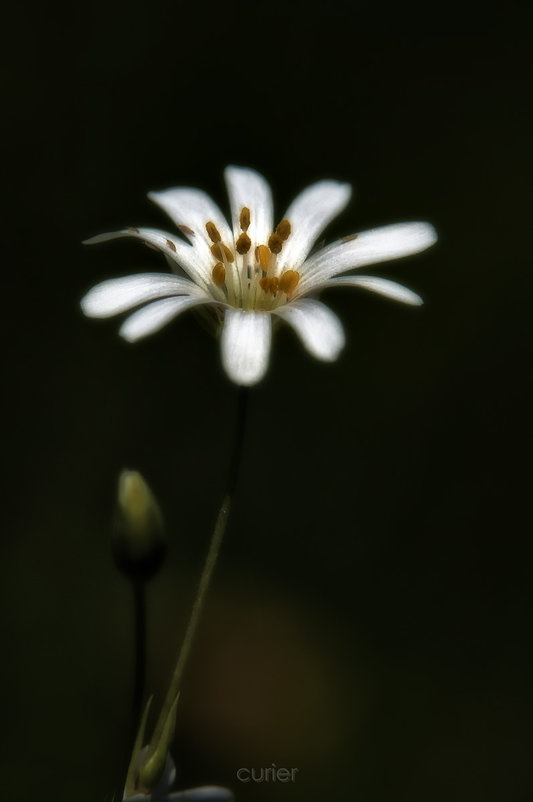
{"x":269,"y":285}
{"x":171,"y":245}
{"x":244,"y":219}
{"x":219,"y":274}
{"x":212,"y":232}
{"x":263,"y":256}
{"x":289,"y":281}
{"x":349,"y":238}
{"x":221,"y":252}
{"x":283,"y":229}
{"x":275,"y":243}
{"x":243,"y":244}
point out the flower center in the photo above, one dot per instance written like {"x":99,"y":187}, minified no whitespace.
{"x":249,"y":276}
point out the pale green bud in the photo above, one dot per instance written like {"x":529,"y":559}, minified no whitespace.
{"x":139,"y":542}
{"x":156,"y":760}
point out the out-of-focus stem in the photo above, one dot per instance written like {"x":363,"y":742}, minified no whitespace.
{"x":154,"y":765}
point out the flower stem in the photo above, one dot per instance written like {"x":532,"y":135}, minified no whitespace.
{"x":139,"y":604}
{"x":209,"y":566}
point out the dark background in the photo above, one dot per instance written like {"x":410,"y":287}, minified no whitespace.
{"x":370,"y":622}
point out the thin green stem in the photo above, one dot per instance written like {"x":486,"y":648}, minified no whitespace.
{"x":209,"y":566}
{"x":139,"y":603}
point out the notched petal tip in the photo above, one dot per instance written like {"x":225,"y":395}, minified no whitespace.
{"x":319,"y":329}
{"x":154,"y":316}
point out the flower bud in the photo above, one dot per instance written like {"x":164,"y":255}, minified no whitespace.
{"x":139,"y":542}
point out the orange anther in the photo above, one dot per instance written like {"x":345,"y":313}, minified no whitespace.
{"x":219,"y":274}
{"x":263,"y":256}
{"x":212,"y":232}
{"x":289,"y":281}
{"x":244,"y":218}
{"x":243,"y":244}
{"x":283,"y":229}
{"x":221,"y":252}
{"x":275,"y":243}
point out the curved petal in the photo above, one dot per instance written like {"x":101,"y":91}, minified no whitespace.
{"x":190,"y":209}
{"x":120,"y":294}
{"x":249,"y":188}
{"x":309,"y":214}
{"x":153,"y":317}
{"x":176,"y":251}
{"x":319,"y":329}
{"x":367,"y":248}
{"x":382,"y":286}
{"x":245,"y":345}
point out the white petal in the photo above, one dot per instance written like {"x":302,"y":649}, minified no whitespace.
{"x":309,"y":214}
{"x":153,"y":317}
{"x":245,"y":345}
{"x":120,"y":294}
{"x":249,"y":188}
{"x":191,"y":209}
{"x":383,"y":286}
{"x":367,"y":248}
{"x":176,"y":251}
{"x":319,"y":329}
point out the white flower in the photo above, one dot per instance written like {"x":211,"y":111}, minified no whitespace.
{"x":252,"y":272}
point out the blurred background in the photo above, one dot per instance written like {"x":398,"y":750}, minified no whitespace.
{"x":370,"y":620}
